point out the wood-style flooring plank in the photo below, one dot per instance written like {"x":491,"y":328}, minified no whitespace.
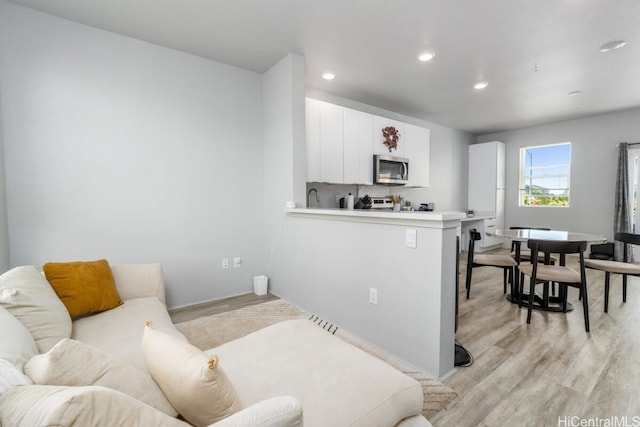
{"x":536,"y":374}
{"x":184,"y":314}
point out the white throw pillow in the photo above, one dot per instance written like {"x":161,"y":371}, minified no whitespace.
{"x":16,"y":343}
{"x":27,"y":295}
{"x":10,"y":376}
{"x":193,"y":382}
{"x":91,"y":406}
{"x":72,"y":363}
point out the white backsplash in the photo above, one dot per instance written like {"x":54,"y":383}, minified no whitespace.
{"x":327,"y":193}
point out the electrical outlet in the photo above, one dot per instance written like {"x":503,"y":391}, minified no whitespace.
{"x":411,"y":238}
{"x":225,"y":263}
{"x":373,"y":295}
{"x":236,"y":262}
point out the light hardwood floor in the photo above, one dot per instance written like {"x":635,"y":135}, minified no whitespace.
{"x":544,"y":373}
{"x":219,"y":306}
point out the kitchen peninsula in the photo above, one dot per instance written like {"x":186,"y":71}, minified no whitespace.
{"x":386,"y":277}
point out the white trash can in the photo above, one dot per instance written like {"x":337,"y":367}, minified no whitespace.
{"x":260,"y":284}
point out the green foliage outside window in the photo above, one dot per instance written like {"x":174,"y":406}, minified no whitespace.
{"x":544,"y":175}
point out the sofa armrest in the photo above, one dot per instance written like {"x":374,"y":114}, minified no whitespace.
{"x":281,"y":411}
{"x":139,"y":281}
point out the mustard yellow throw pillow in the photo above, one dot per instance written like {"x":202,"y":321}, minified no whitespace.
{"x":194,"y":383}
{"x":84,"y":287}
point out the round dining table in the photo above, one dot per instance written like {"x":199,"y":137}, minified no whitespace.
{"x":544,"y":302}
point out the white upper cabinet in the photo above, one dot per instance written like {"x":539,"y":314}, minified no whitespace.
{"x":331,"y":143}
{"x":380,"y":123}
{"x":312,"y":135}
{"x":324,"y":141}
{"x":417,"y":149}
{"x":341,"y":142}
{"x":358,"y":147}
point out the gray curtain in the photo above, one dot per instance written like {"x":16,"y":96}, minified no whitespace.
{"x":621,"y":220}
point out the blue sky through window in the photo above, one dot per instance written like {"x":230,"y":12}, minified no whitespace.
{"x":548,"y":167}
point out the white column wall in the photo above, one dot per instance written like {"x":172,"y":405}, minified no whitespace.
{"x":284,"y":146}
{"x":4,"y":223}
{"x":328,"y":266}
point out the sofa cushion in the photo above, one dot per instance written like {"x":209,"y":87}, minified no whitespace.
{"x":84,"y":287}
{"x":45,"y":405}
{"x":16,"y":343}
{"x":193,"y":382}
{"x":298,"y":358}
{"x":72,"y":363}
{"x":27,"y":295}
{"x":119,"y":331}
{"x":282,"y":411}
{"x":10,"y":376}
{"x":139,"y":280}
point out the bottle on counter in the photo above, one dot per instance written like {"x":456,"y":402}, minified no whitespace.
{"x":350,"y":202}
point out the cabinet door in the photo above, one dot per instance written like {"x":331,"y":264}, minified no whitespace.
{"x":501,"y":165}
{"x":500,"y":203}
{"x":417,"y":144}
{"x":488,"y":241}
{"x":331,"y":143}
{"x":358,"y":147}
{"x":482,"y":177}
{"x":312,"y":136}
{"x":380,"y":123}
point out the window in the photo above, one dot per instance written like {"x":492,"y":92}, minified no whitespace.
{"x":544,"y":175}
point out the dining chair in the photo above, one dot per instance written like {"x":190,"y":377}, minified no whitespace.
{"x":623,"y":267}
{"x":526,"y":256}
{"x":506,"y":262}
{"x":561,"y":274}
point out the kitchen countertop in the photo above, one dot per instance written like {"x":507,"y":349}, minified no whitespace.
{"x":382,"y":214}
{"x":477,"y":217}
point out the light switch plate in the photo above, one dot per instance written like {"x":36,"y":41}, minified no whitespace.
{"x":411,"y":238}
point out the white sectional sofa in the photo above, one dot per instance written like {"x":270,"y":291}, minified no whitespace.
{"x":288,"y":374}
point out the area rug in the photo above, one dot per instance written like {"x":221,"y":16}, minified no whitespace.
{"x":211,"y":331}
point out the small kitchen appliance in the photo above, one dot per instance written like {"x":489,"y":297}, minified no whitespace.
{"x":381,"y":203}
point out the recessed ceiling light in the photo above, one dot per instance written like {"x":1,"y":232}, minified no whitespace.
{"x":616,"y":44}
{"x":426,"y":56}
{"x":328,"y":76}
{"x":480,"y":85}
{"x":574,"y":93}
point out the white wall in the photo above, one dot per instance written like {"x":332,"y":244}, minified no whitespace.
{"x":284,"y":153}
{"x":448,"y":167}
{"x":327,"y":265}
{"x":120,"y":149}
{"x":4,"y":231}
{"x":593,"y":170}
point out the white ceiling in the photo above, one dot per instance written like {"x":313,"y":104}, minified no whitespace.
{"x":532,"y":52}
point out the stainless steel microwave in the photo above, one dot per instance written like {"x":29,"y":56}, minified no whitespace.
{"x":389,"y":170}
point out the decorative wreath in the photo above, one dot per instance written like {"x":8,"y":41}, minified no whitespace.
{"x":391,"y":136}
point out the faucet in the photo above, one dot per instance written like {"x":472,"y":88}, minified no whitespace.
{"x":309,"y":194}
